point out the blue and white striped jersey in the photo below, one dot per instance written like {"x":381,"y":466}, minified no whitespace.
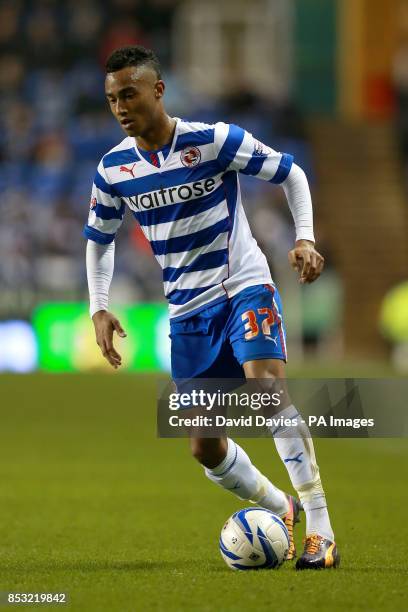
{"x":190,"y":209}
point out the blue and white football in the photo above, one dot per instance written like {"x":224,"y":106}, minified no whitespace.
{"x":254,"y":538}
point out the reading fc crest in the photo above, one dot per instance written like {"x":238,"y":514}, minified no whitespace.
{"x":190,"y":156}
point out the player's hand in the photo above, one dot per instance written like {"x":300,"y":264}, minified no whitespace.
{"x":306,"y":260}
{"x":105,"y":324}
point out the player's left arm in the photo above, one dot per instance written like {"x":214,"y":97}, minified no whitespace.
{"x":238,"y":150}
{"x":304,"y":258}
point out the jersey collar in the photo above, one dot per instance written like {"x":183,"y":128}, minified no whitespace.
{"x":149,"y":164}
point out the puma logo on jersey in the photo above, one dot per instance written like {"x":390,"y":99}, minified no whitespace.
{"x":130,"y":170}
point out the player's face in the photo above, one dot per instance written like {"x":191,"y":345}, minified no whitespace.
{"x":134,"y":95}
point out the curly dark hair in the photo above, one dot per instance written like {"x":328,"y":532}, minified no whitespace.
{"x":135,"y":55}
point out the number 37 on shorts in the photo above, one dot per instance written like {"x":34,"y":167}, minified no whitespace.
{"x":250,"y":321}
{"x":259,"y":319}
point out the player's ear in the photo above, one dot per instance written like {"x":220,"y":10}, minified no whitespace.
{"x":159,"y":89}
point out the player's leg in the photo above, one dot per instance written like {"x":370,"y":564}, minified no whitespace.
{"x":257,"y":335}
{"x":199,"y":350}
{"x":295,"y":447}
{"x":227,"y":465}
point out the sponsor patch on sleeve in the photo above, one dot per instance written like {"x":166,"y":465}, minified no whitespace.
{"x":260,"y":148}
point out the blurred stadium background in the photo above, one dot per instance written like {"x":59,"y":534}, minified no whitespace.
{"x":91,"y":501}
{"x":325,"y":80}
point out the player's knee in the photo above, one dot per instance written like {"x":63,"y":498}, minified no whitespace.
{"x":265,"y":370}
{"x":201,"y":450}
{"x":208,"y":451}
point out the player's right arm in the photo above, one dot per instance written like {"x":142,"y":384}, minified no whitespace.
{"x":105,"y":218}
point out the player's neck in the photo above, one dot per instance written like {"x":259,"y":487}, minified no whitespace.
{"x":160,"y":135}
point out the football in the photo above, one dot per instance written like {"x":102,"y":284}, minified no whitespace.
{"x":254,"y":538}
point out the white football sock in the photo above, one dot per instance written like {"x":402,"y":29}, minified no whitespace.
{"x":237,"y":474}
{"x":295,"y":447}
{"x":317,"y":518}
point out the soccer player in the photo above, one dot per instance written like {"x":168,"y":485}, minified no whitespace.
{"x":180,"y":180}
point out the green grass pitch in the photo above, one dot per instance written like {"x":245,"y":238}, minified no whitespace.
{"x":92,"y":503}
